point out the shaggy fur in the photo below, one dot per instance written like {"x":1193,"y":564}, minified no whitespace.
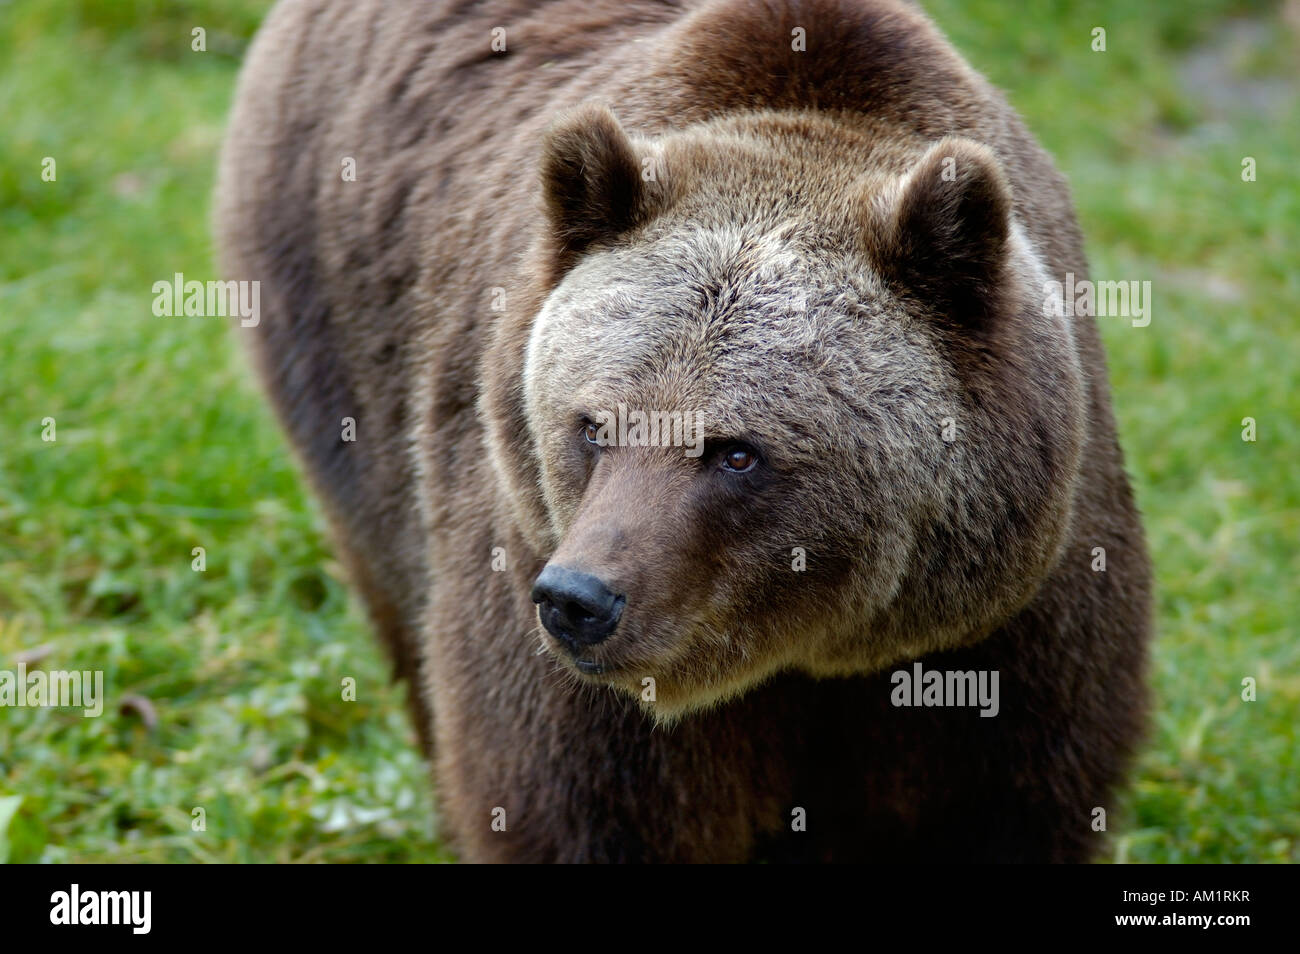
{"x":829,"y":254}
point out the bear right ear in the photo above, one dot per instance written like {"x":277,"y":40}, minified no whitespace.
{"x":591,"y":180}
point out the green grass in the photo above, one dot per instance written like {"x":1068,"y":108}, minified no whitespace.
{"x":163,"y":444}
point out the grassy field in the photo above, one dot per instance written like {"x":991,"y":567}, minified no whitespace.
{"x":230,"y":676}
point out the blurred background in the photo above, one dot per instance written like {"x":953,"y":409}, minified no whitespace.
{"x":222,"y":684}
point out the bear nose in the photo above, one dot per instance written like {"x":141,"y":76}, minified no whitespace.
{"x":576,"y":608}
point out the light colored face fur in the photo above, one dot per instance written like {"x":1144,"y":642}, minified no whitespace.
{"x":912,"y":471}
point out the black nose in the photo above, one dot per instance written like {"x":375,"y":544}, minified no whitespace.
{"x":576,"y":608}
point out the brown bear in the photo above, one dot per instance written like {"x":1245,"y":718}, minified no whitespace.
{"x":710,"y":417}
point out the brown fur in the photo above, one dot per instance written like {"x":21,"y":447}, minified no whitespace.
{"x":800,"y":271}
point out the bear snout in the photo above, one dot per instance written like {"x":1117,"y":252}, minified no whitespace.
{"x":577,"y":608}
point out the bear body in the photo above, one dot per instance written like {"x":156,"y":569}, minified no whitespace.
{"x":808,"y":228}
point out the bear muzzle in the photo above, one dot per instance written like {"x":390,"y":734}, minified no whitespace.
{"x":577,"y":608}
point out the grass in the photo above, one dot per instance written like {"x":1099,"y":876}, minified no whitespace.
{"x":164,"y":445}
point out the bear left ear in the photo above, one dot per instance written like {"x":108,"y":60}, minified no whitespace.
{"x":942,"y":235}
{"x":591,"y":180}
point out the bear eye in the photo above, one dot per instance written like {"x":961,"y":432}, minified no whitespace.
{"x":739,"y":458}
{"x":591,"y":432}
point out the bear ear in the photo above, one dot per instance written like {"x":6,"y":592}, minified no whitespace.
{"x":591,"y":180}
{"x":942,"y":235}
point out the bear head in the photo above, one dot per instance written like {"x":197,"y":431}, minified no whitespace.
{"x":791,"y":402}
